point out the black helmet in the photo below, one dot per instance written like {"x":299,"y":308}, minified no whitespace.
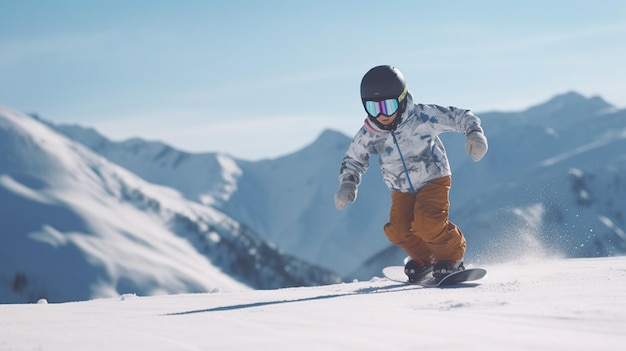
{"x":383,"y":82}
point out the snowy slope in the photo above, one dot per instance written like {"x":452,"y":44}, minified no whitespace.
{"x":296,"y":207}
{"x":553,"y":176}
{"x":288,"y":201}
{"x":573,"y":304}
{"x":525,"y":195}
{"x":554,"y":180}
{"x":75,"y":226}
{"x":208,"y":178}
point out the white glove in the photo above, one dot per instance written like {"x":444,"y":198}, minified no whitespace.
{"x":476,"y":145}
{"x":345,"y":194}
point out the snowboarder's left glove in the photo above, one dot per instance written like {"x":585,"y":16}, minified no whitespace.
{"x":346,"y":193}
{"x":476,"y":145}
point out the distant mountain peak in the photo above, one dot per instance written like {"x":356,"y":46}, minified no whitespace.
{"x":574,"y":99}
{"x":565,"y":106}
{"x":569,"y":97}
{"x":330,"y":136}
{"x":327,"y":141}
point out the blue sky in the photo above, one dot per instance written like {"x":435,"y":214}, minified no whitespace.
{"x":261,"y":79}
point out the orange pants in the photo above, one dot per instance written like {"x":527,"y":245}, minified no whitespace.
{"x":418,"y":223}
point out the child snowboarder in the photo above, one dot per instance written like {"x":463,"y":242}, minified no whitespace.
{"x":415,"y":167}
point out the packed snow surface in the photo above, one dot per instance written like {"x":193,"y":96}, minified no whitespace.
{"x":558,"y":304}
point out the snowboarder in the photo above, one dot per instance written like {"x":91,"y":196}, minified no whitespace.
{"x":415,"y":167}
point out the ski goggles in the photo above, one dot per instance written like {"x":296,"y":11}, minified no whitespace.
{"x":386,"y":107}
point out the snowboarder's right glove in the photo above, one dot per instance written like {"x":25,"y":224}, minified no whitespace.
{"x":476,"y":145}
{"x":346,"y":193}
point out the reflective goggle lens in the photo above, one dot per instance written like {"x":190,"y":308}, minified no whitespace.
{"x":386,"y":107}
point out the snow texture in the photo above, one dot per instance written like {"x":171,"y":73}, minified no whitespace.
{"x":569,"y":304}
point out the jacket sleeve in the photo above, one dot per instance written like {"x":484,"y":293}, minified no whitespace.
{"x":450,"y":119}
{"x":356,"y":159}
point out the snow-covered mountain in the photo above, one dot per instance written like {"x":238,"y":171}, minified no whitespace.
{"x":288,"y":201}
{"x":552,"y":183}
{"x":555,"y":177}
{"x":553,"y":180}
{"x":75,"y":226}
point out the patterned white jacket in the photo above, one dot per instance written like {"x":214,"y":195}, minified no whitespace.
{"x":412,"y":154}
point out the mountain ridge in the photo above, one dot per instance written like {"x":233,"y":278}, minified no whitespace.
{"x":76,"y":226}
{"x":288,"y":200}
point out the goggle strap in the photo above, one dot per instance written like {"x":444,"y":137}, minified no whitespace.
{"x":403,"y":94}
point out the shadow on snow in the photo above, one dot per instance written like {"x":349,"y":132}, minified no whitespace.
{"x":369,"y":290}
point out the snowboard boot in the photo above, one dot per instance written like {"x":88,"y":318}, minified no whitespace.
{"x":444,"y":268}
{"x":417,"y":270}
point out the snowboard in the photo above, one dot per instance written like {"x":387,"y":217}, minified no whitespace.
{"x":396,"y":273}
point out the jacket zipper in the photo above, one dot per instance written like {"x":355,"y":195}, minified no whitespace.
{"x":406,"y":170}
